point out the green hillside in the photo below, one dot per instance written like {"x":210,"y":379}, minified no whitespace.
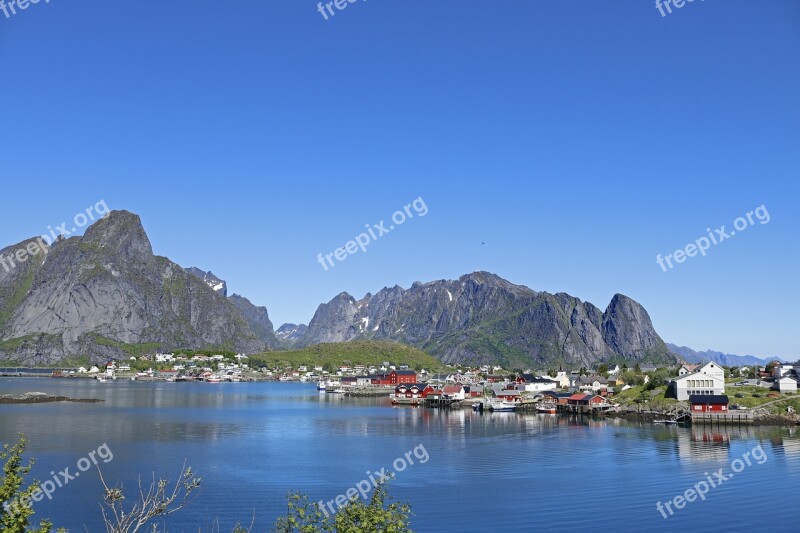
{"x":334,"y":355}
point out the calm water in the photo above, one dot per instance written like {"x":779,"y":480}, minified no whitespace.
{"x":254,"y":441}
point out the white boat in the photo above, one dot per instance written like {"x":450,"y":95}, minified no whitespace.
{"x":322,"y":385}
{"x":213,"y":379}
{"x":546,"y":408}
{"x":497,"y":405}
{"x":102,"y":380}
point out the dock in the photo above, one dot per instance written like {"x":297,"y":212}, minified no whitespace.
{"x":742,"y":417}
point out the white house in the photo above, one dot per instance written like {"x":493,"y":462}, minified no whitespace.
{"x":164,"y":357}
{"x":781,"y":370}
{"x":712,"y":369}
{"x":785,"y":384}
{"x":531,"y":383}
{"x":562,"y":379}
{"x":614,"y":371}
{"x":698,"y":383}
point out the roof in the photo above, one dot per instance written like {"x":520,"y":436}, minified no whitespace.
{"x":507,"y":392}
{"x":557,"y":394}
{"x":405,"y":372}
{"x":580,"y":396}
{"x":527,"y":377}
{"x":704,"y":376}
{"x":712,"y":399}
{"x":409,"y":386}
{"x":450,"y":389}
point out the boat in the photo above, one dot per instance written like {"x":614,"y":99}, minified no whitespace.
{"x":102,"y":380}
{"x":666,"y":422}
{"x":546,"y":408}
{"x":322,"y":385}
{"x":213,"y":379}
{"x":503,"y":405}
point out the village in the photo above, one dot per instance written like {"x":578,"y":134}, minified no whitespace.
{"x":679,"y":393}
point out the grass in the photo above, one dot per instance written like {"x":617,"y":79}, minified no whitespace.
{"x":655,"y":397}
{"x":757,"y":396}
{"x":334,"y":355}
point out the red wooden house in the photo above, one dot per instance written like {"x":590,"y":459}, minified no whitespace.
{"x":430,"y":389}
{"x":508,"y":395}
{"x":409,"y":391}
{"x":585,"y":399}
{"x":709,"y":403}
{"x":395,"y":377}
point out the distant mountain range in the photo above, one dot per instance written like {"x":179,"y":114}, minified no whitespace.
{"x":723,"y":359}
{"x":106,"y":295}
{"x":290,"y":334}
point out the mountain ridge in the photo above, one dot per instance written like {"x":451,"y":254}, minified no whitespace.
{"x":482,"y":318}
{"x":722,"y":359}
{"x":105,"y":294}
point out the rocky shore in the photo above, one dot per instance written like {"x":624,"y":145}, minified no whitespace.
{"x":41,"y":397}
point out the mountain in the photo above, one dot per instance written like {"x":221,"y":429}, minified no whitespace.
{"x":482,"y":318}
{"x":106,"y":295}
{"x":722,"y":359}
{"x":257,"y":318}
{"x":291,"y":333}
{"x":210,"y":279}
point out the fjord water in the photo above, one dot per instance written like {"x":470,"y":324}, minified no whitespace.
{"x":252,"y":442}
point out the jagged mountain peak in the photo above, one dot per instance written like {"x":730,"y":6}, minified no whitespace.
{"x":483,"y":317}
{"x":216,"y":284}
{"x":122,"y":233}
{"x":105,"y":294}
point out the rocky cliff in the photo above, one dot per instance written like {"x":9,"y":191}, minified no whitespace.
{"x":482,"y":318}
{"x":106,"y":295}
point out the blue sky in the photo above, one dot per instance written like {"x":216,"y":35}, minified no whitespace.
{"x":577,"y":140}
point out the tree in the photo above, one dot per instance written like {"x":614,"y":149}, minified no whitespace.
{"x":657,"y":378}
{"x":357,"y":516}
{"x":158,"y":501}
{"x":602,"y":369}
{"x":15,"y":501}
{"x":632,"y":378}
